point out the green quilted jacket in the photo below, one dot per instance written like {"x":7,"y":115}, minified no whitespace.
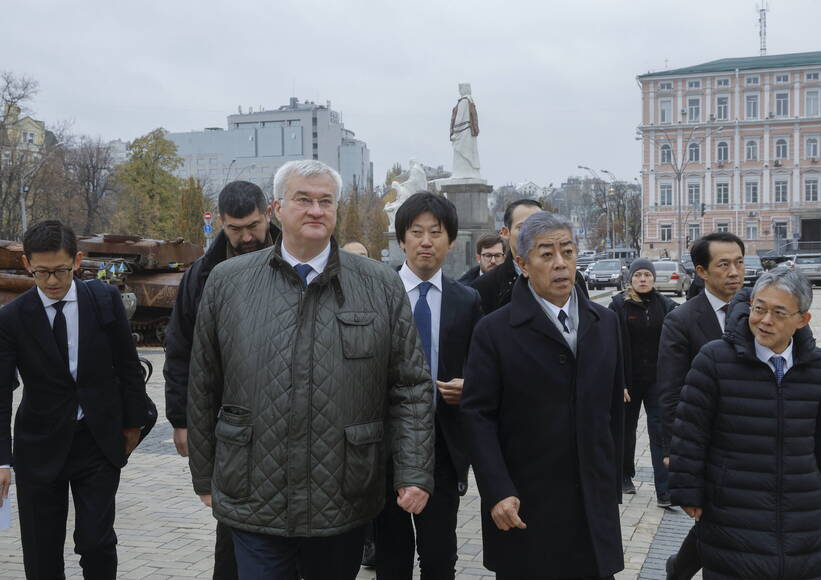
{"x":318,"y":390}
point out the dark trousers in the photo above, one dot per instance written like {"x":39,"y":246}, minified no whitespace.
{"x":688,"y":560}
{"x":266,"y":557}
{"x":225,"y":565}
{"x":648,"y":395}
{"x":504,"y":577}
{"x":435,"y":528}
{"x":44,"y":509}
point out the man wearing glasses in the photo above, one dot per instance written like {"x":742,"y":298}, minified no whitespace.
{"x":490,"y":252}
{"x":82,"y":408}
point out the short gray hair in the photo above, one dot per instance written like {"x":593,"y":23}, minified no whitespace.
{"x":538,"y":224}
{"x":304,"y":168}
{"x":793,"y":281}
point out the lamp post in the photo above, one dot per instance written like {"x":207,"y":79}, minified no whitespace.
{"x":25,"y":182}
{"x":228,"y":173}
{"x":607,"y":234}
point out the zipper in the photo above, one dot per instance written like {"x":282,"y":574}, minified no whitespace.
{"x":310,"y":412}
{"x":779,"y":477}
{"x":293,"y":359}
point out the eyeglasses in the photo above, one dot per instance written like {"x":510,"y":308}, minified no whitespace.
{"x":762,"y":312}
{"x":492,"y":256}
{"x":304,"y":202}
{"x":61,"y":274}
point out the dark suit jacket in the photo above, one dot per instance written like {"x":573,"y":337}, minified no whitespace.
{"x":547,"y":427}
{"x":109,"y":385}
{"x":686,"y":329}
{"x":460,"y":312}
{"x":470,"y":275}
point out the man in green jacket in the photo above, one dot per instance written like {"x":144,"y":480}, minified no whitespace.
{"x":317,"y":361}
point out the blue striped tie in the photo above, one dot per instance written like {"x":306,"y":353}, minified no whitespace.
{"x":303,"y":270}
{"x":778,"y":363}
{"x":421,"y":315}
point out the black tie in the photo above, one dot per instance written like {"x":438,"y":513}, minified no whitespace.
{"x":60,"y":330}
{"x":303,"y":270}
{"x":562,"y":319}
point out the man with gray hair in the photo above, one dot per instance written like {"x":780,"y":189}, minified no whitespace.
{"x":745,"y":457}
{"x":314,"y":355}
{"x":542,"y":409}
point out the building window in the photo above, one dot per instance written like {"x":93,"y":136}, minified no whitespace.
{"x":665,"y":232}
{"x":692,"y":84}
{"x":723,"y":83}
{"x":722,"y":227}
{"x":752,"y":230}
{"x":811,"y":104}
{"x":723,"y":152}
{"x":751,"y":80}
{"x":782,"y":78}
{"x":722,"y":108}
{"x":693,"y":193}
{"x":693,"y":110}
{"x":666,"y":194}
{"x":812,"y":148}
{"x":665,"y":111}
{"x":782,"y":104}
{"x":751,"y":151}
{"x":693,"y":231}
{"x":665,"y":86}
{"x":666,"y":154}
{"x":694,"y":152}
{"x":751,"y":192}
{"x":812,"y":76}
{"x":811,"y":190}
{"x":752,"y":106}
{"x":780,"y":191}
{"x":722,"y":193}
{"x":780,"y":230}
{"x":781,"y":149}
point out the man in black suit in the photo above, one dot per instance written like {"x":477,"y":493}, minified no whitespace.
{"x":719,"y":261}
{"x":543,"y":415}
{"x":82,"y":410}
{"x":445,"y":313}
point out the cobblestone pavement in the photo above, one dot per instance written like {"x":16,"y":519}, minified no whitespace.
{"x":165,"y":532}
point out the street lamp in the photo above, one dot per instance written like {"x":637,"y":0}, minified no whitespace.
{"x":227,"y":173}
{"x":25,"y":182}
{"x":607,"y":234}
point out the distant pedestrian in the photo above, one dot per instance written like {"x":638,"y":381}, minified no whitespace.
{"x":490,"y":252}
{"x":746,"y":450}
{"x":358,"y":248}
{"x":641,"y":310}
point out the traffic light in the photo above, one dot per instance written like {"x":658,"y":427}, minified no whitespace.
{"x":703,"y":207}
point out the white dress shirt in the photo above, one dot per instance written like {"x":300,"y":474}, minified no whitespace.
{"x":70,"y":311}
{"x":717,"y":304}
{"x":570,"y":308}
{"x":318,"y":262}
{"x":434,"y":298}
{"x":763,"y":353}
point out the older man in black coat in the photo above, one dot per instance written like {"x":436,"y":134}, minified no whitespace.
{"x":543,"y":414}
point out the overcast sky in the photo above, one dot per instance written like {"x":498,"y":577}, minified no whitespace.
{"x":554,"y":82}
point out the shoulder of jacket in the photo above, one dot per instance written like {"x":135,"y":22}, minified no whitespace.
{"x":242,"y":263}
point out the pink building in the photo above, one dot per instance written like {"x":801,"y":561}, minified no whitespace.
{"x":732,"y":145}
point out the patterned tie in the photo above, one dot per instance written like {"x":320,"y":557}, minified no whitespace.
{"x":303,"y":270}
{"x":421,"y":315}
{"x":60,"y":330}
{"x":778,"y":362}
{"x":563,"y":319}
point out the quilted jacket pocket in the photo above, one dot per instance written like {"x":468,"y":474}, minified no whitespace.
{"x":232,"y":464}
{"x":357,"y":334}
{"x":364,"y":461}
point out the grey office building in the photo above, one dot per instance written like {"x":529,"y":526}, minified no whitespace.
{"x":257,"y":143}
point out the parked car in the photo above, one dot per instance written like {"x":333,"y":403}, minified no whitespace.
{"x":672,"y":277}
{"x":810,"y":265}
{"x":606,"y":273}
{"x":753,"y":268}
{"x":687,"y":262}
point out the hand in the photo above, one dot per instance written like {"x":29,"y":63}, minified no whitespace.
{"x":132,"y":437}
{"x":693,"y":511}
{"x":627,"y":398}
{"x":451,"y":390}
{"x":5,"y":484}
{"x":666,"y":461}
{"x":412,"y":499}
{"x":505,"y":514}
{"x":206,"y":499}
{"x":181,"y":441}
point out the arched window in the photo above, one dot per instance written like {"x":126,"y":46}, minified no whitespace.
{"x":666,"y":154}
{"x":694,"y":151}
{"x":723,"y":151}
{"x":751,"y":151}
{"x":781,"y":149}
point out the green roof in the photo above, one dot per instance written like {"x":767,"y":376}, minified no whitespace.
{"x":744,"y":63}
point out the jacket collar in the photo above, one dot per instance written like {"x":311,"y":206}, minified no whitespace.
{"x":217,"y":251}
{"x":329,"y":276}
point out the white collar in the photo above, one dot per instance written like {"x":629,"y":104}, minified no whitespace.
{"x":716,"y":302}
{"x":554,"y":310}
{"x":318,"y":262}
{"x":763,"y":353}
{"x":71,"y":296}
{"x":411,"y":280}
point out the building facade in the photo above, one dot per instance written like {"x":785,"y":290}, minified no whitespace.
{"x":732,"y":145}
{"x":256,"y":143}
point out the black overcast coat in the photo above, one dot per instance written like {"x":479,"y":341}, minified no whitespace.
{"x":547,"y":427}
{"x":747,"y":451}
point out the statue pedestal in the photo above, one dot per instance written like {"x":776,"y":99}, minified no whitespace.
{"x":470,"y":196}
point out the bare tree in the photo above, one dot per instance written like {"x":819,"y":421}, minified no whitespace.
{"x":90,"y":167}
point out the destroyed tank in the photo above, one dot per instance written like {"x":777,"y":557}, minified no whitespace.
{"x":147,"y":272}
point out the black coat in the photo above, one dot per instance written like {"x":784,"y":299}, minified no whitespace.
{"x":179,"y":334}
{"x":109,"y":385}
{"x":547,"y":427}
{"x":470,"y":275}
{"x":747,"y":451}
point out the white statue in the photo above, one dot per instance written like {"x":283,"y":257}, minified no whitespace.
{"x":464,"y":129}
{"x":417,"y":181}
